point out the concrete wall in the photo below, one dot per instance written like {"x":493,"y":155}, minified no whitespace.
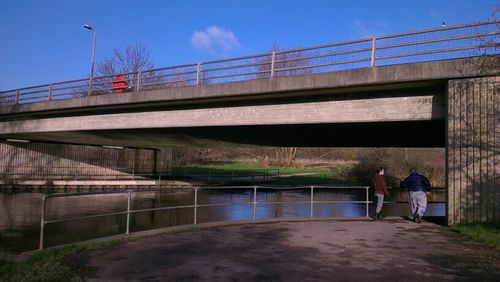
{"x":60,"y":161}
{"x":473,"y":150}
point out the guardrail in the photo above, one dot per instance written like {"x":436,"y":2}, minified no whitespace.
{"x":78,"y":173}
{"x":460,"y":41}
{"x":213,"y":174}
{"x":195,"y":205}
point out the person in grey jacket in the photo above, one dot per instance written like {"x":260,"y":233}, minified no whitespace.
{"x":418,"y":186}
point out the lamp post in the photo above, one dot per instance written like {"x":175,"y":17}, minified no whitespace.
{"x":93,"y":58}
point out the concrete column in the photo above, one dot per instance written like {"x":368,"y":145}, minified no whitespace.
{"x":165,"y":161}
{"x":155,"y":161}
{"x":473,"y":150}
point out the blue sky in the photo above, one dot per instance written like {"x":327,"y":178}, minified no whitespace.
{"x":43,"y":41}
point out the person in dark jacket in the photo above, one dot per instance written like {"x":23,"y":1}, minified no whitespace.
{"x":380,"y":191}
{"x":418,"y":186}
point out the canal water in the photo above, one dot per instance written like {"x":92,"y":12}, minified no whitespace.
{"x":20,"y":213}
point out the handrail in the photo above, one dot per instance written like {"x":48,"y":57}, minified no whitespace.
{"x":314,"y":59}
{"x":254,"y":202}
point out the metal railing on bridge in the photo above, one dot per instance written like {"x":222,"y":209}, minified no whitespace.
{"x":460,"y":41}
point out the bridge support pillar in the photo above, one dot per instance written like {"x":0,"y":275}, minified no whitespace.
{"x":473,"y":151}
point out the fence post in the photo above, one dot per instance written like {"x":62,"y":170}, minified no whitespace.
{"x":198,"y":73}
{"x":312,"y":200}
{"x":90,"y":86}
{"x":138,"y":86}
{"x":367,"y":204}
{"x":17,"y":96}
{"x":254,"y":202}
{"x":50,"y":92}
{"x":273,"y":56}
{"x":195,"y":205}
{"x":42,"y":222}
{"x":372,"y":57}
{"x":128,"y":212}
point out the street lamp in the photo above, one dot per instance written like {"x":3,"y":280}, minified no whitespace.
{"x":93,"y":57}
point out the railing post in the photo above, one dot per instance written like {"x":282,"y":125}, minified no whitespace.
{"x":312,"y":200}
{"x":372,"y":57}
{"x":90,"y":86}
{"x":17,"y":96}
{"x":129,"y":200}
{"x":254,"y":203}
{"x":273,"y":56}
{"x":367,"y":204}
{"x":198,"y":73}
{"x":42,"y":222}
{"x":50,"y":92}
{"x":138,"y":86}
{"x":195,"y":205}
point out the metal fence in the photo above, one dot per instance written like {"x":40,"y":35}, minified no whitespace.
{"x":78,"y":173}
{"x":216,"y":174}
{"x":54,"y":216}
{"x":460,"y":41}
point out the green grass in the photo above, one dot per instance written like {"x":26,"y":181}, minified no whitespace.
{"x":485,"y":233}
{"x":235,"y":169}
{"x":47,"y":265}
{"x":313,"y":175}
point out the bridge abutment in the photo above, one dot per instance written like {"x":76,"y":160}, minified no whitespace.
{"x":473,"y":150}
{"x":41,"y":161}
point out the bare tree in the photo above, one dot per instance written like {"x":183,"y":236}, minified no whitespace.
{"x":131,"y":59}
{"x":489,"y":47}
{"x":285,"y":156}
{"x":286,"y":63}
{"x":129,"y":62}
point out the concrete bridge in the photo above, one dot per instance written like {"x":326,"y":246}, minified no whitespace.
{"x":292,"y":100}
{"x":391,"y":106}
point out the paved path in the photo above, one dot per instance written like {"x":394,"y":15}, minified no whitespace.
{"x":391,"y":250}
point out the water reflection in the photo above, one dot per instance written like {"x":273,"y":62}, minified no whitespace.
{"x":21,"y":212}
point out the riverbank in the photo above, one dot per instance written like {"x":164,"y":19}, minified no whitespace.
{"x":349,"y":250}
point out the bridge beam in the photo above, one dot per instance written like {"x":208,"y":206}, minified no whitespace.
{"x":419,"y":108}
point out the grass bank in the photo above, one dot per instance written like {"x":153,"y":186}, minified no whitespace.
{"x":48,"y":265}
{"x":335,"y":174}
{"x":488,"y":234}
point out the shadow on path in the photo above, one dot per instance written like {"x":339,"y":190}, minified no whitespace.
{"x":393,"y":249}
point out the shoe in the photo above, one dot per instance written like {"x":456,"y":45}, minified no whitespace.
{"x":418,"y":219}
{"x":375,"y":217}
{"x":379,"y":216}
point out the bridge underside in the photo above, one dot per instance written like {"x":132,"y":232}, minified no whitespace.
{"x":370,"y":134}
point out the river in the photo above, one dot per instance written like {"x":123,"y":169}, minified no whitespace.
{"x":20,"y":213}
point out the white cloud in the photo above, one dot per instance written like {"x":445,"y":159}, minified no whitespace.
{"x":215,"y":40}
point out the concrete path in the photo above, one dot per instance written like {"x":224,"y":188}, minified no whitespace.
{"x":390,"y":250}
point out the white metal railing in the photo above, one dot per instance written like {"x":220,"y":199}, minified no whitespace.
{"x":460,"y":41}
{"x":196,"y":204}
